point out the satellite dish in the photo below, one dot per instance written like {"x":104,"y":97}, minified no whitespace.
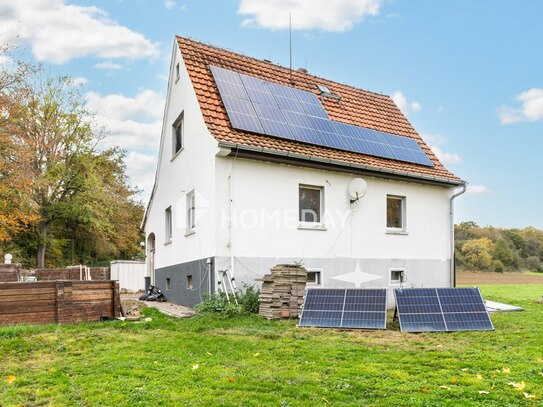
{"x":357,"y":189}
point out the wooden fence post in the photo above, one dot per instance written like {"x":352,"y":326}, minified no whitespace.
{"x":59,"y":294}
{"x":116,"y":299}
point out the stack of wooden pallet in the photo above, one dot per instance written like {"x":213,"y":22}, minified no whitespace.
{"x":283,"y":290}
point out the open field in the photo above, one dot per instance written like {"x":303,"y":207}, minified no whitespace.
{"x":476,"y":278}
{"x":248,"y":361}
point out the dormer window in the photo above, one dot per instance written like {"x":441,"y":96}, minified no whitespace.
{"x":177,"y":135}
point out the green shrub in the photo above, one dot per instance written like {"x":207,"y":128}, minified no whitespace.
{"x":212,"y":303}
{"x":498,"y":266}
{"x":248,"y":301}
{"x":533,"y":263}
{"x":503,"y":253}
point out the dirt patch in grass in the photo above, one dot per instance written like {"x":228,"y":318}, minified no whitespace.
{"x":475,"y":278}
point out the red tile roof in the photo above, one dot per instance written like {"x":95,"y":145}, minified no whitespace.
{"x":358,"y":107}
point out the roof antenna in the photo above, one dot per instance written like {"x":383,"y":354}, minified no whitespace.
{"x":290,"y":44}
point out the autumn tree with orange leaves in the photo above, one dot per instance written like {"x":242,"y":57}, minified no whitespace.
{"x":56,"y":183}
{"x":16,"y":209}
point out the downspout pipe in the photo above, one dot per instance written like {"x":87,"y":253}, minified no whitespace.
{"x":452,"y":269}
{"x":230,"y":232}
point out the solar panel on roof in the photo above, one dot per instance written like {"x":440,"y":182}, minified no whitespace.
{"x":344,"y":308}
{"x":441,"y":309}
{"x":290,"y":113}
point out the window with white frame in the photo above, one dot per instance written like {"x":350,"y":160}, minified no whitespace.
{"x":311,"y":202}
{"x":397,"y":276}
{"x":177,"y":72}
{"x":314,"y":277}
{"x":396,"y":213}
{"x":191,"y":212}
{"x":168,"y":225}
{"x":177,"y":134}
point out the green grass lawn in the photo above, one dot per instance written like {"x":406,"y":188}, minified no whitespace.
{"x":247,"y":361}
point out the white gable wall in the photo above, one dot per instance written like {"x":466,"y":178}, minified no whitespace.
{"x":357,"y":235}
{"x":191,"y":169}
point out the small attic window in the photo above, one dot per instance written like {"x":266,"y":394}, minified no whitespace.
{"x":327,"y":93}
{"x":177,"y":72}
{"x":324,"y":89}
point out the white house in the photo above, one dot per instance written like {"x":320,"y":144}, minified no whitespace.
{"x":230,"y":199}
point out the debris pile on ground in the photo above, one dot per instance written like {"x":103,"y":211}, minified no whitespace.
{"x":131,"y":310}
{"x":282,"y":293}
{"x":153,"y":294}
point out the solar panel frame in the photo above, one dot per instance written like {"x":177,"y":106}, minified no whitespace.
{"x":423,"y":323}
{"x":269,"y":113}
{"x":345,"y":308}
{"x":314,"y":110}
{"x":306,"y":135}
{"x":250,"y":82}
{"x":307,"y":97}
{"x":263,"y":98}
{"x":278,"y":129}
{"x":246,"y":122}
{"x":303,"y":109}
{"x":233,"y":90}
{"x":441,"y":309}
{"x":463,"y":303}
{"x":225,"y":75}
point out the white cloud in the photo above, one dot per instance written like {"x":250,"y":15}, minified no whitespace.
{"x":131,"y":123}
{"x":530,"y":111}
{"x":477,"y":189}
{"x":134,"y":124}
{"x":79,"y":81}
{"x":325,"y":15}
{"x":444,"y":157}
{"x":141,"y":169}
{"x":169,"y":4}
{"x":146,"y":104}
{"x":404,"y":105}
{"x":58,"y":32}
{"x":111,"y":66}
{"x":129,"y":134}
{"x":437,"y":140}
{"x":5,"y":60}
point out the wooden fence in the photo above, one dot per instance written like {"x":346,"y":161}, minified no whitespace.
{"x":9,"y":272}
{"x":96,"y":273}
{"x":58,"y":301}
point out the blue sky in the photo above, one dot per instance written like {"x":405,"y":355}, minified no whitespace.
{"x":467,"y":74}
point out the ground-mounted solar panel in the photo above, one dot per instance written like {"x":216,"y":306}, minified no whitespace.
{"x":269,"y":108}
{"x":345,"y":308}
{"x":441,"y":309}
{"x":464,"y":309}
